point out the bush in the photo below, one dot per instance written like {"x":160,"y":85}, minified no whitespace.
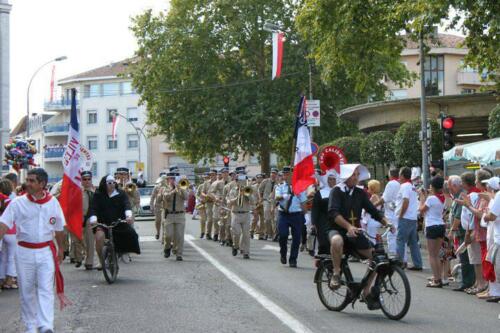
{"x":350,"y":145}
{"x":494,"y":122}
{"x":407,"y":145}
{"x":377,"y":148}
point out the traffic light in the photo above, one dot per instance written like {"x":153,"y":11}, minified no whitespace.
{"x":447,"y":125}
{"x":226,"y":161}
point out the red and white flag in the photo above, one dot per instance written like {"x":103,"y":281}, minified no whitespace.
{"x":277,"y":53}
{"x":71,"y":191}
{"x":114,"y":127}
{"x":303,"y":169}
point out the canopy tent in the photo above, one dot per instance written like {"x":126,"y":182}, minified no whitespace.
{"x":485,"y":152}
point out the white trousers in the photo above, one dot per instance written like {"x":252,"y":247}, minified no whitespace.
{"x":8,"y":257}
{"x":392,"y":237}
{"x":35,"y":270}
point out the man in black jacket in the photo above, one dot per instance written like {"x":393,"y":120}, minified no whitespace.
{"x":109,"y":204}
{"x":344,"y":209}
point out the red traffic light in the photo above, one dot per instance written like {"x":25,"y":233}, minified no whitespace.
{"x":448,"y":123}
{"x":226,"y":160}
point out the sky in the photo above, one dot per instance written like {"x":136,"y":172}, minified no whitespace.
{"x":91,"y":33}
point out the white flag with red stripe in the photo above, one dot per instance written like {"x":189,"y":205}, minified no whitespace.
{"x":71,"y":190}
{"x":303,"y":170}
{"x":277,"y":53}
{"x":114,"y":125}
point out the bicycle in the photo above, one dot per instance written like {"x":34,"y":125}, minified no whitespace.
{"x":391,"y":282}
{"x":110,"y":256}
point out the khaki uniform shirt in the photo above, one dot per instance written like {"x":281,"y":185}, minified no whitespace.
{"x":156,"y":198}
{"x":168,"y":195}
{"x":247,"y":203}
{"x":266,"y":189}
{"x":217,"y":189}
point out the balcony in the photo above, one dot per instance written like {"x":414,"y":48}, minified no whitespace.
{"x":469,"y":78}
{"x":54,"y":154}
{"x":61,"y":129}
{"x":59,"y":105}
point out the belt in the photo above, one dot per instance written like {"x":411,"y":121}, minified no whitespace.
{"x":294,"y":213}
{"x":179,"y":212}
{"x":241,"y":211}
{"x":63,"y":301}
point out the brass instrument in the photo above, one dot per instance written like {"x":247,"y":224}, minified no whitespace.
{"x":130,"y":188}
{"x":184,"y":184}
{"x":247,"y":191}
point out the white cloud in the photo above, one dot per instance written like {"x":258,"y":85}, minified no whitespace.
{"x":91,"y":33}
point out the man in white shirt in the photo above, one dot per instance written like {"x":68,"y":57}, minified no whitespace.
{"x":38,"y":217}
{"x":389,"y":201}
{"x":407,"y":212}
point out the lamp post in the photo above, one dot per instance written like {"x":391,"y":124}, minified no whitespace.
{"x":28,"y":93}
{"x":139,"y":131}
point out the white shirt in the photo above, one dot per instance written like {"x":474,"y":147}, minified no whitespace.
{"x":434,"y":213}
{"x":35,"y":222}
{"x":390,"y":196}
{"x":467,"y":218}
{"x":407,"y":191}
{"x":495,"y":209}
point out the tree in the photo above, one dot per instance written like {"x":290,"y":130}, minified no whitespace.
{"x":360,"y":41}
{"x":204,"y":68}
{"x":494,"y":123}
{"x":350,"y":145}
{"x":407,"y":146}
{"x":377,"y":148}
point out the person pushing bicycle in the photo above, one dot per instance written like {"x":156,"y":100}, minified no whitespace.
{"x":345,"y":205}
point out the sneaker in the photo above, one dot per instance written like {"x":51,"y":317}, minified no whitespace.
{"x":335,"y":282}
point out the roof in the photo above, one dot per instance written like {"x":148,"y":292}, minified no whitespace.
{"x":19,"y":128}
{"x":112,"y":70}
{"x":442,"y":41}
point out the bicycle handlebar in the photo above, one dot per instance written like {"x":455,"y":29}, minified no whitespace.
{"x":112,"y":225}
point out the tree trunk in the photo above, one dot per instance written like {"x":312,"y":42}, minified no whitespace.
{"x":265,"y":157}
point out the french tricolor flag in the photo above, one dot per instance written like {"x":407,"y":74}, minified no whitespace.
{"x":303,"y":170}
{"x":277,"y":53}
{"x":71,"y":191}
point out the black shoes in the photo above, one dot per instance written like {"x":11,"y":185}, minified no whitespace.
{"x":283,"y":260}
{"x":179,"y":258}
{"x":88,"y":267}
{"x":157,"y":236}
{"x":166,"y":253}
{"x":78,"y":264}
{"x":216,"y":238}
{"x":234,"y":252}
{"x":413,"y":268}
{"x":202,"y":235}
{"x":293,"y":264}
{"x":251,"y":234}
{"x":209,"y":237}
{"x":246,"y":256}
{"x":276,"y":238}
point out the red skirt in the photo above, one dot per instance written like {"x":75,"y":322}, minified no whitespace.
{"x":488,"y":268}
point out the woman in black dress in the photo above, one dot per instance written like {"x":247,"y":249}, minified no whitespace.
{"x":319,"y":211}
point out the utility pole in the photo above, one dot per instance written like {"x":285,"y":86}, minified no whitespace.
{"x":5,"y":9}
{"x":310,"y":94}
{"x":423,"y":114}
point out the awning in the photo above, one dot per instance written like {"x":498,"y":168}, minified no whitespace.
{"x":485,"y":152}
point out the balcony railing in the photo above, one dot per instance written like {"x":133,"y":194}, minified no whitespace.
{"x":54,"y":152}
{"x":56,"y":128}
{"x":59,"y":105}
{"x":470,"y":77}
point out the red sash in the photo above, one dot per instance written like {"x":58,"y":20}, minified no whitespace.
{"x":63,"y":300}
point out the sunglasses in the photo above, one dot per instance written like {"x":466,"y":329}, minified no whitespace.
{"x":110,"y":183}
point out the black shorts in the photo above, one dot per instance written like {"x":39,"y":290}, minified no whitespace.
{"x":352,"y":244}
{"x":435,"y":231}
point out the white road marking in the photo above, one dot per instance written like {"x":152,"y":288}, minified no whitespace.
{"x":147,"y":239}
{"x":276,"y":310}
{"x":271,"y":247}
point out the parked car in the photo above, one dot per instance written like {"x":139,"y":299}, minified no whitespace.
{"x":145,"y":193}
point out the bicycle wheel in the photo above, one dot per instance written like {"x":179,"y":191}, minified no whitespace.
{"x":110,"y":261}
{"x":395,"y":293}
{"x":333,"y":300}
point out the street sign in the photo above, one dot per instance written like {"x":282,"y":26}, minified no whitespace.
{"x":314,"y":148}
{"x":313,"y":113}
{"x":139,"y":166}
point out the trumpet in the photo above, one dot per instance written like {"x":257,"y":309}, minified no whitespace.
{"x":184,"y":184}
{"x":130,"y":188}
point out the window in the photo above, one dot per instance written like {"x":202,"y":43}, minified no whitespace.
{"x":127,"y":88}
{"x":132,"y":141}
{"x":110,"y":114}
{"x":94,"y":169}
{"x":468,"y":91}
{"x":91,"y":90}
{"x":132,"y":114}
{"x":110,"y":89}
{"x":91,"y":117}
{"x":131,"y":166}
{"x":398,"y":94}
{"x":254,"y":159}
{"x":92,"y":142}
{"x":111,"y":167}
{"x":112,"y":144}
{"x":434,"y":75}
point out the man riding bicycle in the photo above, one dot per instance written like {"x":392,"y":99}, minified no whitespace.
{"x":109,"y":205}
{"x":345,"y":205}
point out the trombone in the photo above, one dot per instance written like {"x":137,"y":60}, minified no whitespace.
{"x":184,"y":184}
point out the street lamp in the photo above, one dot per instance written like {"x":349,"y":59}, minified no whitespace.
{"x":28,"y":93}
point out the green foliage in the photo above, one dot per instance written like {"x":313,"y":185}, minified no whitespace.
{"x":350,"y":145}
{"x":377,"y":148}
{"x":204,"y":72}
{"x":407,"y":146}
{"x":494,"y":123}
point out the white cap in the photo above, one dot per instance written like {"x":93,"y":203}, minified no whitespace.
{"x":347,"y":170}
{"x":493,"y":183}
{"x":323,"y":179}
{"x":415,"y":173}
{"x":110,"y":178}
